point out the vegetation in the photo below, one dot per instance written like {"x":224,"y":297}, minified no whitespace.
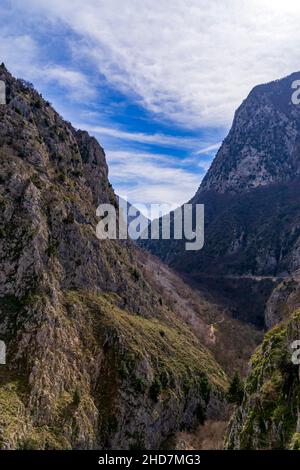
{"x":177,"y":352}
{"x":272,"y":393}
{"x":144,"y":363}
{"x":235,"y":392}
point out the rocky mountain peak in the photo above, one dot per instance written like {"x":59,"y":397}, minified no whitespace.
{"x":263,"y":145}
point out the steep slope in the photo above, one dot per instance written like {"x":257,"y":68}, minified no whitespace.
{"x":96,"y":356}
{"x":251,"y":197}
{"x":269,"y":415}
{"x":263,"y":144}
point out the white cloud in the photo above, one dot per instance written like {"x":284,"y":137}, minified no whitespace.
{"x":146,"y":178}
{"x":191,"y":61}
{"x":78,"y":85}
{"x":121,"y":156}
{"x":19,"y":53}
{"x":22,"y":56}
{"x":155,"y":139}
{"x":209,"y":149}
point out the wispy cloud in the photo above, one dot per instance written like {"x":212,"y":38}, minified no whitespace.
{"x":191,"y":61}
{"x":22,"y":55}
{"x":154,"y":139}
{"x":121,"y":156}
{"x":185,"y":63}
{"x":19,"y":52}
{"x":151,"y":179}
{"x":208,"y":149}
{"x":76,"y":83}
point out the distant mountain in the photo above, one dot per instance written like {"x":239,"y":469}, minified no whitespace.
{"x":131,"y":214}
{"x":263,"y":145}
{"x":251,"y":195}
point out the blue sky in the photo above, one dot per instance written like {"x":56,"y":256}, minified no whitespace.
{"x":157,"y":84}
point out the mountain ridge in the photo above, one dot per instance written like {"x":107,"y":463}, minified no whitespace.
{"x":99,"y":352}
{"x":251,"y":200}
{"x":267,"y":106}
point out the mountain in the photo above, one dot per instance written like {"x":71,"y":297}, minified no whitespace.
{"x":132,"y":216}
{"x":268,"y":417}
{"x":257,"y":171}
{"x":251,"y":197}
{"x":263,"y":145}
{"x":251,"y":257}
{"x":106,"y":346}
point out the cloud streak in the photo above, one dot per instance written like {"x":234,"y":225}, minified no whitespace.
{"x":190,"y":61}
{"x":187,"y":63}
{"x":153,"y":139}
{"x":76,"y":83}
{"x":22,"y":55}
{"x":153,"y":178}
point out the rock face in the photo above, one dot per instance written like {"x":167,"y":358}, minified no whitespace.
{"x":269,"y":416}
{"x":251,"y":197}
{"x":97,"y":356}
{"x":263,"y":144}
{"x":251,"y":256}
{"x":284,"y":300}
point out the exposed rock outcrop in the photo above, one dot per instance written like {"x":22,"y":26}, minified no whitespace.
{"x":263,"y":144}
{"x":96,"y":356}
{"x":268,"y":417}
{"x":284,"y":300}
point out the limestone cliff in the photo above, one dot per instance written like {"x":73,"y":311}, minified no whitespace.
{"x":97,"y":356}
{"x":269,"y":416}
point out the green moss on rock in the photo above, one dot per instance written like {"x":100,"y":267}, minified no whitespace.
{"x":268,"y":415}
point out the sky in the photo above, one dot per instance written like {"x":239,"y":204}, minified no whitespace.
{"x":156,"y":82}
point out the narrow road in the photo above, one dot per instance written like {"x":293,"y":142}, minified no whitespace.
{"x":249,"y":276}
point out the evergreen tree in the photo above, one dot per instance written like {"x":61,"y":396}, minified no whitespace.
{"x":235,"y":392}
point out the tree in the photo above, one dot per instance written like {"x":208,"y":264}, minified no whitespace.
{"x":26,"y":84}
{"x":235,"y":392}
